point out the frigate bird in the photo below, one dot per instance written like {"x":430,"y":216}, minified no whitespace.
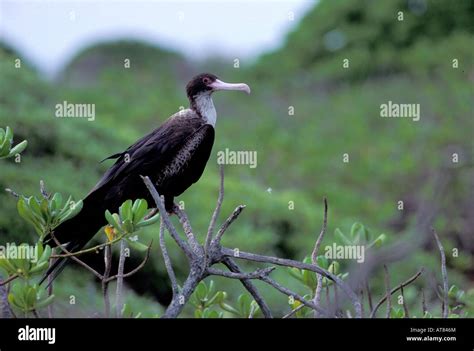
{"x":173,"y":156}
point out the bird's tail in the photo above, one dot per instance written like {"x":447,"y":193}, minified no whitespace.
{"x":75,"y":233}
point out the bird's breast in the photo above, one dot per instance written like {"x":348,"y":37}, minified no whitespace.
{"x":178,"y":164}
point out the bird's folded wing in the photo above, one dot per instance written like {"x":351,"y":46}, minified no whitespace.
{"x":153,"y":150}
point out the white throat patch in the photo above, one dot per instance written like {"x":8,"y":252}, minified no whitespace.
{"x":205,"y":106}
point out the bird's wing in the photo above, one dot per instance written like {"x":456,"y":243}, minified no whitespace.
{"x":155,"y":149}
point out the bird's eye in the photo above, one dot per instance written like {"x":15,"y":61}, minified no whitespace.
{"x":206,"y":80}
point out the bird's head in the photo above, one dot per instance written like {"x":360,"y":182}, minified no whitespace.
{"x":207,"y":83}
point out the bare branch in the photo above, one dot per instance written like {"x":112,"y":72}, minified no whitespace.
{"x":296,"y":296}
{"x":314,"y":256}
{"x":91,"y":249}
{"x":188,"y":230}
{"x":9,"y":279}
{"x":257,"y":274}
{"x":405,"y":308}
{"x":137,"y":268}
{"x":300,"y":265}
{"x":220,"y":199}
{"x":369,"y":296}
{"x":233,"y":267}
{"x":444,"y":273}
{"x":423,"y":302}
{"x":320,"y":238}
{"x":388,"y":293}
{"x":74,"y":258}
{"x":5,"y":309}
{"x":292,"y":312}
{"x":167,"y":260}
{"x":171,"y":229}
{"x":228,"y":222}
{"x":394,"y":290}
{"x":179,"y":301}
{"x":50,"y":288}
{"x":105,"y":280}
{"x":119,"y":290}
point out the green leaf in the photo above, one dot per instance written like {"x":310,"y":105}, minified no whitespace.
{"x":149,"y":221}
{"x":30,"y":297}
{"x":45,"y":255}
{"x":57,"y":201}
{"x":9,"y":134}
{"x":45,"y":302}
{"x":229,"y":308}
{"x":18,"y":148}
{"x":6,"y":143}
{"x":201,"y":291}
{"x":322,"y":261}
{"x":380,"y":240}
{"x":341,"y":237}
{"x":111,"y":219}
{"x":334,"y":267}
{"x":244,"y":304}
{"x":128,"y":226}
{"x":137,"y":245}
{"x":126,"y":210}
{"x":140,"y":211}
{"x":218,"y":298}
{"x":357,"y":232}
{"x":39,"y":268}
{"x":74,"y":209}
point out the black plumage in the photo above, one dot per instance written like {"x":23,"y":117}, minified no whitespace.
{"x":173,"y":156}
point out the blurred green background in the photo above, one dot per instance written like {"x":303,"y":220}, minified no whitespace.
{"x":300,"y":155}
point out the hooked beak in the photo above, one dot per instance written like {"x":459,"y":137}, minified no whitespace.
{"x":220,"y":85}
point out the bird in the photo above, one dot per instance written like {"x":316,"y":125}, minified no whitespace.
{"x":173,"y":156}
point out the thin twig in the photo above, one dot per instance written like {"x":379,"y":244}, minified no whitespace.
{"x":136,"y":269}
{"x":320,"y":238}
{"x":50,"y":288}
{"x":314,"y":256}
{"x":167,"y":260}
{"x":444,"y":273}
{"x":369,"y":295}
{"x":405,"y":308}
{"x":257,"y":274}
{"x":290,"y":293}
{"x":105,"y":282}
{"x":228,"y":222}
{"x":74,"y":258}
{"x":171,"y":229}
{"x":220,"y":199}
{"x":362,"y":299}
{"x":394,"y":290}
{"x":9,"y":279}
{"x":91,"y":249}
{"x":300,"y":265}
{"x":423,"y":302}
{"x":388,"y":293}
{"x":188,"y":230}
{"x":119,"y":291}
{"x":248,"y":284}
{"x":293,"y":311}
